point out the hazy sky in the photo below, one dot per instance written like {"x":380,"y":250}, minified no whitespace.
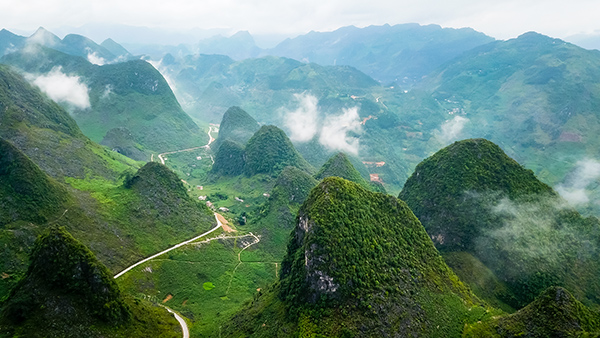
{"x":499,"y":18}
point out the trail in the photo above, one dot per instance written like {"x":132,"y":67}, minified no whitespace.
{"x":182,"y":323}
{"x":207,"y":146}
{"x":171,"y":248}
{"x":240,"y":260}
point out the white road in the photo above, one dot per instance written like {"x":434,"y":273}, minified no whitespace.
{"x":207,"y":146}
{"x":171,"y":248}
{"x":182,"y":323}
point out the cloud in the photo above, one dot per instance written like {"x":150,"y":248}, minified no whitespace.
{"x":107,"y":91}
{"x":334,"y":133}
{"x":95,"y":58}
{"x":64,"y":88}
{"x":302,"y":122}
{"x":574,"y":188}
{"x":451,"y":129}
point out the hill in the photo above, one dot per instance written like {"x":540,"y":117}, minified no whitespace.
{"x":26,"y":193}
{"x":555,"y":313}
{"x":269,"y":151}
{"x":132,"y":94}
{"x":358,"y":263}
{"x":229,"y":160}
{"x":471,"y":197}
{"x":237,"y":126}
{"x":399,"y":54}
{"x":340,"y":166}
{"x":68,"y":292}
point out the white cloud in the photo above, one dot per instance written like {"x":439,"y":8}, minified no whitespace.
{"x":451,"y":130}
{"x":302,"y":122}
{"x":334,"y":133}
{"x":64,"y":88}
{"x":94,"y":58}
{"x":574,"y":188}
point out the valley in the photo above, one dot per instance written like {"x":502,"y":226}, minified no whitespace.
{"x":401,"y":180}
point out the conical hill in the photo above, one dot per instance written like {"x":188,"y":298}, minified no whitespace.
{"x":26,"y":193}
{"x":269,"y":151}
{"x":340,"y":166}
{"x":359,"y":264}
{"x":67,"y":292}
{"x":236,"y":125}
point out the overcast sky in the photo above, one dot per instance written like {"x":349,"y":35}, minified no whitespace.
{"x":501,"y":19}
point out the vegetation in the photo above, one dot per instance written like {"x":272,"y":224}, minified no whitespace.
{"x":68,"y":292}
{"x":230,"y":159}
{"x":26,"y":193}
{"x":555,"y":313}
{"x":340,"y":166}
{"x":269,"y":151}
{"x":359,"y":263}
{"x":236,"y":125}
{"x":471,"y":197}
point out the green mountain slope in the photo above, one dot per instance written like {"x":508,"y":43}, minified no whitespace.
{"x":340,"y":166}
{"x":131,"y":94}
{"x":68,"y":292}
{"x":471,"y":197}
{"x":237,"y":126}
{"x":555,"y":313}
{"x":269,"y":151}
{"x":229,"y":160}
{"x":358,"y":264}
{"x":26,"y":193}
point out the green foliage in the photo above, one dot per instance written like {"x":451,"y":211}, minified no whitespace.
{"x":26,"y":193}
{"x":438,"y":190}
{"x":269,"y":151}
{"x":236,"y":125}
{"x":473,"y":198}
{"x":229,"y":160}
{"x":340,"y":166}
{"x":555,"y":313}
{"x":68,"y":292}
{"x":359,"y":263}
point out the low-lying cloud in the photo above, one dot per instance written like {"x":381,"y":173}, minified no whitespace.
{"x":95,"y":58}
{"x":64,"y":88}
{"x":451,"y":130}
{"x":574,"y":188}
{"x":335,"y":132}
{"x":302,"y":122}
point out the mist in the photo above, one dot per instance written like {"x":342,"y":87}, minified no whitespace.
{"x":63,"y":88}
{"x":335,"y":132}
{"x":574,"y":188}
{"x":451,"y":130}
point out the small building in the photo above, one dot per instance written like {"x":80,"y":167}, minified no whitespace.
{"x":210,"y":205}
{"x":202,"y":198}
{"x":223,"y":209}
{"x":239,"y":199}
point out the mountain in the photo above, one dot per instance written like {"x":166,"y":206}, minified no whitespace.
{"x":471,"y":197}
{"x":207,"y":85}
{"x":269,"y":151}
{"x":229,"y":160}
{"x":116,"y":49}
{"x":239,"y":46}
{"x":132,"y":94}
{"x":10,"y":42}
{"x":555,"y":313}
{"x":340,"y":166}
{"x":237,"y":126}
{"x":534,"y":95}
{"x":68,"y":292}
{"x":26,"y":193}
{"x":399,"y":54}
{"x":358,"y":264}
{"x":276,"y":218}
{"x":47,"y":134}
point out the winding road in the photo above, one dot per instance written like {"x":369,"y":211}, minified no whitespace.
{"x":207,"y":146}
{"x":182,"y":323}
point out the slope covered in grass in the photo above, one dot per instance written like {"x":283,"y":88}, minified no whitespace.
{"x":68,"y":292}
{"x":359,"y":264}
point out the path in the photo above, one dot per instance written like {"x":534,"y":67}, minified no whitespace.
{"x":240,"y":260}
{"x":207,"y":146}
{"x":171,"y":248}
{"x":182,"y":323}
